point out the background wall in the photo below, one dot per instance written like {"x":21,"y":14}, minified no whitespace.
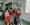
{"x":25,"y":16}
{"x":1,"y":1}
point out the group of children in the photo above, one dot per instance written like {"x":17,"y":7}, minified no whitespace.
{"x":13,"y":17}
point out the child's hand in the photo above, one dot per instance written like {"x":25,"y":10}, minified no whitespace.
{"x":6,"y":20}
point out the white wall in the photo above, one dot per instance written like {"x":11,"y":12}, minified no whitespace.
{"x":25,"y":16}
{"x":1,"y":1}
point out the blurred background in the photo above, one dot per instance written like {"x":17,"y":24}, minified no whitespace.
{"x":21,"y":4}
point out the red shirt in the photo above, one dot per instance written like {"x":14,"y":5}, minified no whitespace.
{"x":11,"y":13}
{"x":19,"y":14}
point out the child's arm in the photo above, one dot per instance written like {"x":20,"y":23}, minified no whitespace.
{"x":13,"y":13}
{"x":9,"y":17}
{"x":16,"y":19}
{"x":19,"y":15}
{"x":5,"y":16}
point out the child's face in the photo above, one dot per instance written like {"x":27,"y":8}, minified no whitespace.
{"x":11,"y":9}
{"x":18,"y":10}
{"x":6,"y":10}
{"x":15,"y":10}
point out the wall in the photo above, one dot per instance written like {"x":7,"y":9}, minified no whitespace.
{"x":1,"y":2}
{"x":25,"y":16}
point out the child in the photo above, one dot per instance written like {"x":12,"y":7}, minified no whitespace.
{"x":7,"y":17}
{"x":19,"y":17}
{"x":1,"y":15}
{"x":15,"y":17}
{"x":11,"y":16}
{"x":15,"y":20}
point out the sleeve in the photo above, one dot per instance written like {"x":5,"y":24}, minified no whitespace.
{"x":20,"y":13}
{"x":9,"y":12}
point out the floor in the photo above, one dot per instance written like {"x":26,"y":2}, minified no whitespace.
{"x":3,"y":23}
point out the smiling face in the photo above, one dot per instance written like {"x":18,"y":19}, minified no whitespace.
{"x":6,"y":10}
{"x":11,"y":10}
{"x":18,"y":10}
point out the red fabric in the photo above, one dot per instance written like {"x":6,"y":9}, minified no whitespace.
{"x":19,"y":14}
{"x":7,"y":18}
{"x":11,"y":13}
{"x":16,"y":24}
{"x":7,"y":14}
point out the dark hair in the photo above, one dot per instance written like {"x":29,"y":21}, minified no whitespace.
{"x":18,"y":9}
{"x":6,"y":8}
{"x":10,"y":8}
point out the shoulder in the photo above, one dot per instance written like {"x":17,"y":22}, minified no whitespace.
{"x":20,"y":12}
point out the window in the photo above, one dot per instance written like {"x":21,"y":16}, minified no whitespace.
{"x":27,"y":6}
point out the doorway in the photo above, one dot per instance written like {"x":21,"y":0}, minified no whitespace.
{"x":9,"y":5}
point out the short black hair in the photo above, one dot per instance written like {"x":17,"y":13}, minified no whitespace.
{"x":10,"y":8}
{"x":18,"y":9}
{"x":6,"y":8}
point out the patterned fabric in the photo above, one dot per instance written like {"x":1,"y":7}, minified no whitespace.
{"x":11,"y":13}
{"x":19,"y":20}
{"x":12,"y":18}
{"x":7,"y":14}
{"x":7,"y":17}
